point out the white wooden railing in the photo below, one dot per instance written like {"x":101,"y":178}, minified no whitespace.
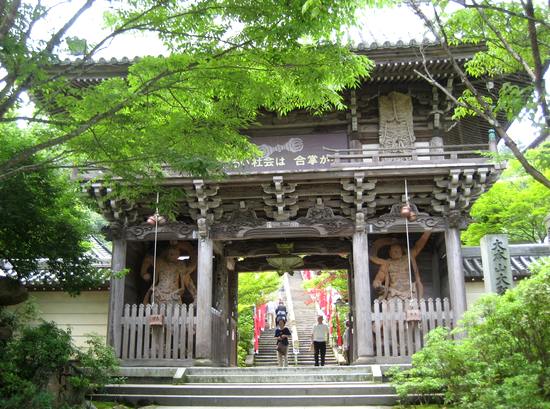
{"x":400,"y":327}
{"x":373,"y":154}
{"x":146,"y":337}
{"x":291,"y":318}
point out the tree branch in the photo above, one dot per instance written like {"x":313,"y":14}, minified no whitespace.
{"x":540,"y":87}
{"x":486,"y":113}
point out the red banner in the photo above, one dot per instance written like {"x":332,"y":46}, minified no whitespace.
{"x":259,"y":324}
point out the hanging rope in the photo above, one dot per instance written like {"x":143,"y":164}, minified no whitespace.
{"x":155,"y":251}
{"x":408,"y":243}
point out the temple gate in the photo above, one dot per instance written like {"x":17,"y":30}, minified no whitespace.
{"x":329,"y":187}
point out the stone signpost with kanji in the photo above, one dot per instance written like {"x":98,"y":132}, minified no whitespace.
{"x":495,"y":257}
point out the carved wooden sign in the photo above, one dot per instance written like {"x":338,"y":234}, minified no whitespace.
{"x":168,"y":231}
{"x":292,"y":152}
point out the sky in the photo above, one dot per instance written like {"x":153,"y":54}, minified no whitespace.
{"x":376,"y":25}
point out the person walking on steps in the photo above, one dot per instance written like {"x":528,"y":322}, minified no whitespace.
{"x":282,"y":333}
{"x":271,"y":323}
{"x":280,"y":312}
{"x":319,"y":338}
{"x":346,"y":343}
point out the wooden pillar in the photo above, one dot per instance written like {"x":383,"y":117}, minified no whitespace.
{"x":233,"y":285}
{"x":116,"y":295}
{"x":457,"y":286}
{"x":203,"y":338}
{"x":361,"y":286}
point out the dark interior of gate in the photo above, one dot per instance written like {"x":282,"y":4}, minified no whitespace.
{"x":328,"y":189}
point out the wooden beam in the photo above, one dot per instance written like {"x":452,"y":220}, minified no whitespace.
{"x":258,"y":264}
{"x":248,"y":248}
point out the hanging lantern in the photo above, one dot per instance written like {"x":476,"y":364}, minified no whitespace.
{"x":406,"y":211}
{"x":155,"y":219}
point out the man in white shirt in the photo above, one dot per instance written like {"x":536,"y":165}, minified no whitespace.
{"x":271,"y":305}
{"x":319,"y":338}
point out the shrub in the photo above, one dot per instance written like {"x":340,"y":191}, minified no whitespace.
{"x":41,"y":356}
{"x":502,"y":362}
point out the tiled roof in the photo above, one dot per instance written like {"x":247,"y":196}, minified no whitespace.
{"x":42,"y":279}
{"x":521,"y":256}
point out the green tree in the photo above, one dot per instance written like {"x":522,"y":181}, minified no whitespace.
{"x":516,"y":205}
{"x":254,"y":289}
{"x":503,"y":362}
{"x":227,"y":61}
{"x":44,"y":228}
{"x":506,"y":77}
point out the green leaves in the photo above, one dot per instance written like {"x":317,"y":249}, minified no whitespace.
{"x":503,"y":360}
{"x":515,"y":205}
{"x":254,"y":289}
{"x":229,"y":60}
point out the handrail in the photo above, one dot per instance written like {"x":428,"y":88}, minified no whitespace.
{"x":411,"y":148}
{"x":291,"y":318}
{"x":375,"y":155}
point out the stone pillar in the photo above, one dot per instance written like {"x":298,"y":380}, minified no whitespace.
{"x":116,"y":295}
{"x":495,"y":257}
{"x":203,"y":346}
{"x":361,"y":286}
{"x":457,"y":286}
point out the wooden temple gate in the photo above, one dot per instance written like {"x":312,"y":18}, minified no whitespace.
{"x":326,"y":188}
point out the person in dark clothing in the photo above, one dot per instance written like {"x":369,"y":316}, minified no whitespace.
{"x":280,"y":312}
{"x":282,"y":333}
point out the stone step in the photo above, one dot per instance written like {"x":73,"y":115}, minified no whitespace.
{"x":360,"y":388}
{"x":286,"y":378}
{"x":251,"y":401}
{"x":244,"y":395}
{"x":197,"y":370}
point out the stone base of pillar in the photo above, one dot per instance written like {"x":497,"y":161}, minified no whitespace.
{"x":204,"y":362}
{"x":364,"y":360}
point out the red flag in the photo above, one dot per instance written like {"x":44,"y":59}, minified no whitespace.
{"x":256,"y":331}
{"x":329,"y":310}
{"x":338,"y":333}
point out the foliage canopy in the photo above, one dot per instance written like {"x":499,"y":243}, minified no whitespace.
{"x":516,"y":205}
{"x":44,"y":231}
{"x":505,"y":79}
{"x":227,"y":61}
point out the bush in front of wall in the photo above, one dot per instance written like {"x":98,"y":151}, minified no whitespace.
{"x":41,"y":369}
{"x":502,"y":362}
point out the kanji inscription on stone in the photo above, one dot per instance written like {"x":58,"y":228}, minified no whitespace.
{"x":495,"y":257}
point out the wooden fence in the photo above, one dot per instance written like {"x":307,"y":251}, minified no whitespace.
{"x":145,"y":337}
{"x":400,"y":327}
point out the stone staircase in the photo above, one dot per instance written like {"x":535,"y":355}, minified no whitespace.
{"x":251,"y":387}
{"x":306,"y":317}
